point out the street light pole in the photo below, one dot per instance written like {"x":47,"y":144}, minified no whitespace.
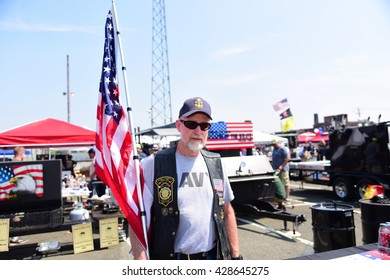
{"x":67,"y":88}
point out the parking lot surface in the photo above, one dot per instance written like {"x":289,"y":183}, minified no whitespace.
{"x":260,"y":238}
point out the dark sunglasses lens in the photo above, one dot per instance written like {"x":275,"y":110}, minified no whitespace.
{"x":204,"y":126}
{"x":190,"y":124}
{"x":193,"y":125}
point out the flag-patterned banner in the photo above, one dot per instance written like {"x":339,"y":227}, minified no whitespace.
{"x":114,"y":156}
{"x":18,"y":180}
{"x":281,"y":105}
{"x":230,"y":135}
{"x":285,"y":114}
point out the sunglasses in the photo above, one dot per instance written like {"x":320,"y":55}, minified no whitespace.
{"x":192,"y":125}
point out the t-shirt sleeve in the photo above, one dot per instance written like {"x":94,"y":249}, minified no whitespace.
{"x":227,"y":189}
{"x":147,"y":165}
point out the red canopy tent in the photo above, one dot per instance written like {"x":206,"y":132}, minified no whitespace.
{"x":319,"y":138}
{"x":47,"y":133}
{"x":306,"y":137}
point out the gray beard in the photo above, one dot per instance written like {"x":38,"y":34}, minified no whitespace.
{"x":195,"y":147}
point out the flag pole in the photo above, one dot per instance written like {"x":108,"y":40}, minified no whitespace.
{"x":130,"y":120}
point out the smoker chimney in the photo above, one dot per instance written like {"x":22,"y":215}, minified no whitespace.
{"x":315,"y":120}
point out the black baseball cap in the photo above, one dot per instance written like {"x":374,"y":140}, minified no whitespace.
{"x":195,"y":105}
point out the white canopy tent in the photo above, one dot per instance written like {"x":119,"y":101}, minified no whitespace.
{"x":266,"y":138}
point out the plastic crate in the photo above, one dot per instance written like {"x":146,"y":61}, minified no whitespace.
{"x":34,"y":221}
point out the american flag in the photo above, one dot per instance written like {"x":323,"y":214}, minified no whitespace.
{"x":114,"y":156}
{"x":7,"y":172}
{"x":281,"y":105}
{"x":230,"y":135}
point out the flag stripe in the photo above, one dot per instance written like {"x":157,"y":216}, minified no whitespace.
{"x":230,"y":135}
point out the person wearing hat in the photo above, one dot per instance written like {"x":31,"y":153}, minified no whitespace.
{"x":280,"y":160}
{"x":190,"y":195}
{"x":154,"y":149}
{"x":141,"y":154}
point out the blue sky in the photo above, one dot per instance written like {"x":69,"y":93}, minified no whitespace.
{"x":326,"y":57}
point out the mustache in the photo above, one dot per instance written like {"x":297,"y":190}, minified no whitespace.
{"x":197,"y":137}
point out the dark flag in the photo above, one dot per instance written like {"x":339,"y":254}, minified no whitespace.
{"x":285,"y":114}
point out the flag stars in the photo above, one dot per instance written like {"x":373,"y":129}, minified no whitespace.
{"x":109,"y":81}
{"x":107,"y":69}
{"x":116,"y":92}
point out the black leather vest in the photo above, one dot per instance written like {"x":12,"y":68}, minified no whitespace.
{"x":165,"y":212}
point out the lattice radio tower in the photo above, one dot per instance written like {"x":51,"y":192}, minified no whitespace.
{"x":161,"y":110}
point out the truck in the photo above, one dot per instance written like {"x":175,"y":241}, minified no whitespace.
{"x":358,"y":157}
{"x":251,"y":175}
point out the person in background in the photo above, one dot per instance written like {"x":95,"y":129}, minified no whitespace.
{"x":141,"y":154}
{"x":304,"y":154}
{"x":280,"y":160}
{"x":322,"y":151}
{"x":70,"y":164}
{"x":154,"y":149}
{"x":190,"y":194}
{"x":311,"y":149}
{"x":372,"y":156}
{"x":100,"y":189}
{"x":92,"y":173}
{"x":18,"y":156}
{"x":19,"y":153}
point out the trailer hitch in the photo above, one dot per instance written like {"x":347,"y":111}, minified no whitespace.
{"x":265,"y":209}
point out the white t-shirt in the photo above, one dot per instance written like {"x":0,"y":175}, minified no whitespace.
{"x":195,"y":201}
{"x":92,"y":168}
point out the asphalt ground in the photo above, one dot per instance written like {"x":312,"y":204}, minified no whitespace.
{"x":260,"y":238}
{"x":272,"y":239}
